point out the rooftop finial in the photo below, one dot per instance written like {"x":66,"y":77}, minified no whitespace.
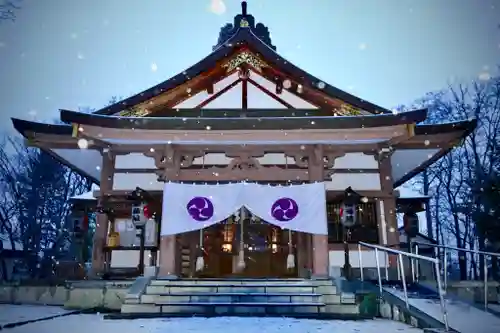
{"x":244,"y":8}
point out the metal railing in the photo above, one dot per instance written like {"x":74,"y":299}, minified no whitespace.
{"x":415,"y":244}
{"x":401,"y":274}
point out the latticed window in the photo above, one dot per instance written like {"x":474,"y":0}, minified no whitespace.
{"x":365,"y":229}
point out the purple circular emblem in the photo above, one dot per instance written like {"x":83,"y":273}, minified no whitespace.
{"x":200,"y":208}
{"x":284,"y":209}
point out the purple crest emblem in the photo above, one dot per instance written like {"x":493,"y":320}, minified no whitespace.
{"x":284,"y":209}
{"x":200,"y":208}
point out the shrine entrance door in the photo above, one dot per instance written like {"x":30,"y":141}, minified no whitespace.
{"x":266,"y":248}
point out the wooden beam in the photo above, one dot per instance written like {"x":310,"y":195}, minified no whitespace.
{"x":270,"y":94}
{"x":256,"y":136}
{"x":218,"y":94}
{"x":244,"y":94}
{"x":279,"y":86}
{"x":136,"y":170}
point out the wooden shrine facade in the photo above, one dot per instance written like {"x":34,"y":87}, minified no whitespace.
{"x":282,"y":126}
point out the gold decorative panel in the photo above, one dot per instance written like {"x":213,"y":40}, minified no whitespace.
{"x":349,"y":110}
{"x":134,"y":112}
{"x":244,"y":57}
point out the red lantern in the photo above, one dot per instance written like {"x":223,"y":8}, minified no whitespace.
{"x":147,"y":212}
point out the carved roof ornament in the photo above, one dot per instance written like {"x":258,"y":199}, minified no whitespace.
{"x":134,"y":112}
{"x":244,"y":23}
{"x":247,"y":21}
{"x":349,"y":110}
{"x":245,"y":57}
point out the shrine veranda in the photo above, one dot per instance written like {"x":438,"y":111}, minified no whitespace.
{"x":244,"y":115}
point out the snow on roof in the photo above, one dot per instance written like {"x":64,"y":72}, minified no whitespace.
{"x":87,"y":195}
{"x":407,"y":191}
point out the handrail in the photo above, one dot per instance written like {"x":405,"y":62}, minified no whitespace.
{"x":445,"y":263}
{"x":411,"y":256}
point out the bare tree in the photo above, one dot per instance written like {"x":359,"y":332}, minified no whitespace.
{"x":457,"y":182}
{"x":34,"y":201}
{"x":8,"y":10}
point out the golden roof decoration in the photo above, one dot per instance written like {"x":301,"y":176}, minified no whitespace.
{"x":244,"y":23}
{"x":245,"y":57}
{"x":134,"y":112}
{"x":349,"y":110}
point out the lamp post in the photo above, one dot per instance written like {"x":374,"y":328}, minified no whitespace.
{"x":140,"y":216}
{"x":348,"y":218}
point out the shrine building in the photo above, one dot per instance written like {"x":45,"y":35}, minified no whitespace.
{"x":244,"y":115}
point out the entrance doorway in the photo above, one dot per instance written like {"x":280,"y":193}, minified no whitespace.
{"x":266,"y":248}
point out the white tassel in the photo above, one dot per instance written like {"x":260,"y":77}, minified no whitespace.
{"x":290,"y":261}
{"x":240,"y":265}
{"x":200,"y":263}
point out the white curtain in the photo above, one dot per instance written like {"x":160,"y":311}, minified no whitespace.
{"x":295,"y":207}
{"x":188,"y":207}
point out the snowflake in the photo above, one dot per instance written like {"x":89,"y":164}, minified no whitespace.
{"x":321,"y":85}
{"x":80,"y":56}
{"x":287,"y":84}
{"x":83,"y":143}
{"x":427,"y":142}
{"x":484,"y":76}
{"x":362,"y":46}
{"x":217,"y":7}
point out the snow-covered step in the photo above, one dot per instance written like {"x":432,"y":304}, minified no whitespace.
{"x":232,"y":297}
{"x":462,"y":317}
{"x":258,"y":288}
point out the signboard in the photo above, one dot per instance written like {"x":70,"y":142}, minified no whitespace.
{"x":348,"y":215}
{"x":138,"y":217}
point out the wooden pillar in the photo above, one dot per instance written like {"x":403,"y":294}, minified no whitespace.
{"x":386,"y":206}
{"x":102,"y":219}
{"x":168,"y":247}
{"x":169,"y":161}
{"x":319,"y":242}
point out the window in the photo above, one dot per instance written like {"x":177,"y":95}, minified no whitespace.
{"x":365,"y":230}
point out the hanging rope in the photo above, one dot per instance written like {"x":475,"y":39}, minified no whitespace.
{"x":200,"y":261}
{"x":290,"y":259}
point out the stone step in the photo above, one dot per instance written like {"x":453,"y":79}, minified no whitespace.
{"x":250,"y":282}
{"x":241,"y":308}
{"x":249,"y":304}
{"x":173,"y":289}
{"x":240,"y":294}
{"x":230,"y":298}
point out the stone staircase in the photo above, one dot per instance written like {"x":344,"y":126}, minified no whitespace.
{"x":241,"y":297}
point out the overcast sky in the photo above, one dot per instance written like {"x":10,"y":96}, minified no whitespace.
{"x":75,"y":53}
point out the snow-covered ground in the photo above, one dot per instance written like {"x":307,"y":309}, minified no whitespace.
{"x":19,"y":313}
{"x":96,"y":324}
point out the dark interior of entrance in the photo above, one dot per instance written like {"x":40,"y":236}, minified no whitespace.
{"x":266,"y":248}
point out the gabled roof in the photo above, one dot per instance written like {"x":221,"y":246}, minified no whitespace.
{"x":244,"y":35}
{"x":241,"y":123}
